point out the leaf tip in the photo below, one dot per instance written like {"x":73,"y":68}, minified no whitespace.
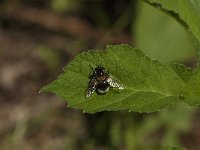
{"x":43,"y":90}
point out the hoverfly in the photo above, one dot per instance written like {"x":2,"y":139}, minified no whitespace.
{"x":101,"y":81}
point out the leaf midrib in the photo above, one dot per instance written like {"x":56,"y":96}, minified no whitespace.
{"x":131,"y":93}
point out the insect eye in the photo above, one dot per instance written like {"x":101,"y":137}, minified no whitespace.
{"x":100,"y":72}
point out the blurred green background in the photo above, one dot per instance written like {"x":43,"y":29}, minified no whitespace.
{"x":39,"y":37}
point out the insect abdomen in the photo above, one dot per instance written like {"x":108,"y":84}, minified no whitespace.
{"x":103,"y":88}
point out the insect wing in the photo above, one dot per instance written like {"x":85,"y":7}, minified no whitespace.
{"x":113,"y":83}
{"x":91,"y":87}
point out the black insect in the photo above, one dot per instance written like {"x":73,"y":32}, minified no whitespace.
{"x":101,"y":81}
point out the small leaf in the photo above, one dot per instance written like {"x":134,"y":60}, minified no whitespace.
{"x":149,"y":85}
{"x":183,"y":71}
{"x":193,"y":89}
{"x":173,"y":148}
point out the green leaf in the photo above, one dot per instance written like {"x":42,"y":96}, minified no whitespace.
{"x":173,"y":148}
{"x":149,"y":85}
{"x":160,"y":36}
{"x":186,"y":11}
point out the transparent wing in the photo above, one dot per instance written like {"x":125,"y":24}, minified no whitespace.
{"x":91,"y":87}
{"x":113,"y":83}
